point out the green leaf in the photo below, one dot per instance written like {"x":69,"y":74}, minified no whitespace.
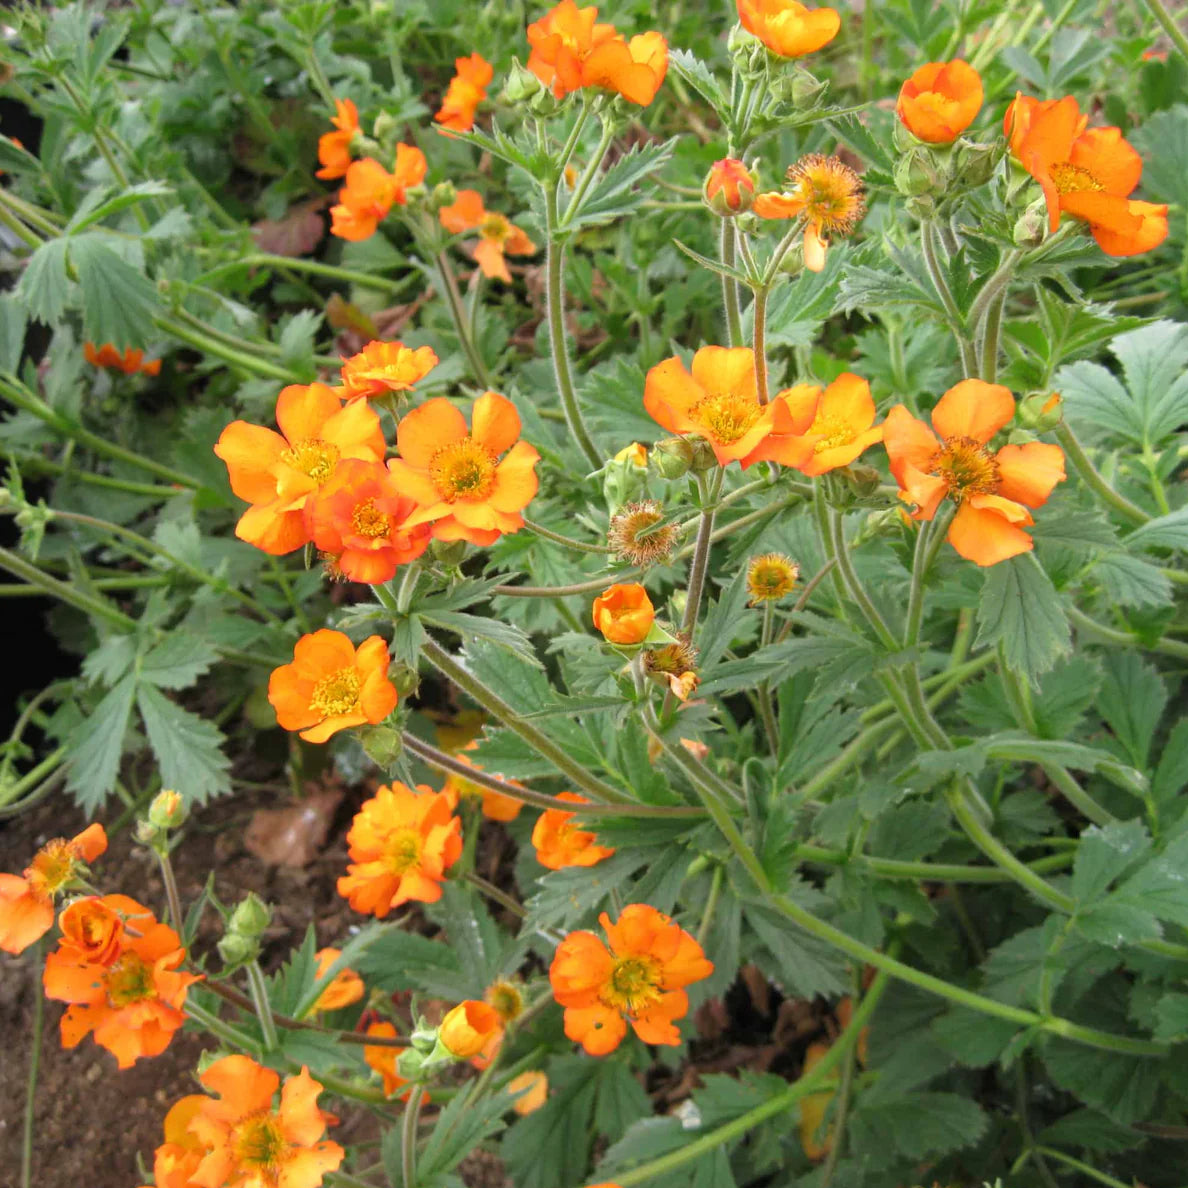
{"x":13,"y":321}
{"x":917,"y":1124}
{"x":1123,"y":1087}
{"x":459,"y":1128}
{"x":178,"y":661}
{"x":1105,"y":854}
{"x":565,"y":897}
{"x":615,"y":193}
{"x":1020,"y":609}
{"x":349,"y":957}
{"x":294,"y":978}
{"x":96,"y":744}
{"x":1166,"y":532}
{"x":699,"y":76}
{"x":43,"y":286}
{"x":118,"y":302}
{"x":188,"y":748}
{"x":1153,"y":359}
{"x":1172,"y":1014}
{"x":801,"y":965}
{"x":551,"y":1146}
{"x":472,"y":936}
{"x":470,"y":627}
{"x":110,"y":660}
{"x":101,"y":204}
{"x":1095,"y":396}
{"x":1131,"y":581}
{"x":974,"y":1039}
{"x":621,"y":1099}
{"x":14,"y":159}
{"x":296,"y":342}
{"x":1172,"y":773}
{"x":1131,"y":701}
{"x":1159,"y":887}
{"x":1089,"y":1129}
{"x":712,"y":265}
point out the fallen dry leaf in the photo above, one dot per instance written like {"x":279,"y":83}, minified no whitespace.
{"x":292,"y":836}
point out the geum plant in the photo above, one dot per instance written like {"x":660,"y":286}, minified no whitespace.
{"x":793,"y":688}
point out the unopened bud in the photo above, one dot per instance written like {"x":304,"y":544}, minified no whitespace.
{"x":674,"y":457}
{"x":863,"y":480}
{"x":407,"y":680}
{"x":237,"y":949}
{"x":521,"y":84}
{"x":625,"y":476}
{"x":168,"y":809}
{"x":386,"y":126}
{"x":1032,"y":225}
{"x":381,"y":744}
{"x":916,"y":173}
{"x":807,"y":90}
{"x":704,"y":457}
{"x":444,"y":194}
{"x":1041,"y":412}
{"x":250,"y":917}
{"x":448,"y":552}
{"x":729,"y":187}
{"x":975,"y":163}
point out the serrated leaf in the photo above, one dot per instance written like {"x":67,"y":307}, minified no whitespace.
{"x":459,"y":1128}
{"x":1131,"y":581}
{"x":1131,"y":700}
{"x":1089,"y":1129}
{"x":297,"y":341}
{"x":1123,"y":1087}
{"x":621,"y":1100}
{"x":471,"y":627}
{"x":110,"y":660}
{"x":44,"y":287}
{"x":1020,"y":609}
{"x":13,"y":322}
{"x":399,"y":960}
{"x":565,"y":897}
{"x":1104,"y":854}
{"x":1167,"y":532}
{"x":178,"y":661}
{"x":974,"y":1039}
{"x":1172,"y":773}
{"x":803,"y":965}
{"x":918,"y":1124}
{"x":615,"y":193}
{"x":101,"y":204}
{"x":551,"y":1146}
{"x":699,"y":76}
{"x":188,"y":748}
{"x":96,"y":744}
{"x":118,"y":302}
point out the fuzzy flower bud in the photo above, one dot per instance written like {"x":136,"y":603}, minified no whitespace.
{"x":1041,"y":412}
{"x":624,"y":614}
{"x":729,"y":187}
{"x":674,"y":457}
{"x":168,"y":810}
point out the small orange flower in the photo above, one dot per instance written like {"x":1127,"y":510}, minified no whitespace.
{"x":27,"y":901}
{"x":842,"y":427}
{"x":624,"y":613}
{"x":385,"y":367}
{"x":93,"y":927}
{"x":346,"y":987}
{"x":472,"y":1031}
{"x":466,"y":491}
{"x":371,"y":192}
{"x":827,"y":193}
{"x":179,"y":1157}
{"x":361,"y":519}
{"x":334,"y":148}
{"x":992,"y":491}
{"x":1088,"y":173}
{"x":719,"y":401}
{"x":497,"y":235}
{"x":401,"y":844}
{"x":730,"y":186}
{"x":382,"y":1058}
{"x":561,"y":41}
{"x":250,"y":1143}
{"x":639,"y":980}
{"x":789,"y":29}
{"x":634,"y":69}
{"x":496,"y":806}
{"x":133,"y":1002}
{"x":940,"y":101}
{"x":277,"y":472}
{"x":467,"y":89}
{"x":559,"y":843}
{"x":331,"y":686}
{"x":130,"y":361}
{"x":533,"y":1090}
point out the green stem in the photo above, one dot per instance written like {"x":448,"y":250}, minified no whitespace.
{"x":578,"y":545}
{"x":408,"y":1137}
{"x":1169,"y":647}
{"x":588,"y":175}
{"x":250,"y":363}
{"x":1093,"y":479}
{"x":494,"y":894}
{"x":558,"y":342}
{"x":841,"y":1112}
{"x":223,"y":1031}
{"x":926,"y":872}
{"x":1160,"y":13}
{"x":461,"y":326}
{"x":840,"y":551}
{"x":698,"y":567}
{"x":711,"y":904}
{"x":759,"y":329}
{"x":35,"y":463}
{"x":36,"y":965}
{"x":956,"y":321}
{"x":990,"y":339}
{"x":69,"y":594}
{"x":260,"y":1000}
{"x":365,"y":280}
{"x":734,"y":330}
{"x":171,"y":892}
{"x":1076,"y":1164}
{"x":595,"y":788}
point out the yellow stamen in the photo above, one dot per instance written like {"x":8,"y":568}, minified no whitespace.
{"x":338,"y":693}
{"x":369,"y":521}
{"x":52,"y":868}
{"x":831,"y":192}
{"x":463,"y":470}
{"x":967,"y":468}
{"x":634,"y":984}
{"x":495,"y":227}
{"x":313,"y":457}
{"x":260,"y":1144}
{"x":726,"y":417}
{"x":836,"y":432}
{"x":404,"y":851}
{"x":129,"y":980}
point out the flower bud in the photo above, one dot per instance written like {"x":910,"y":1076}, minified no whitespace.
{"x":729,"y":187}
{"x":386,"y":126}
{"x":236,"y":949}
{"x":1032,"y":226}
{"x":975,"y":163}
{"x":1041,"y":412}
{"x":704,"y":457}
{"x":250,"y":917}
{"x":862,"y":480}
{"x":625,"y":476}
{"x":916,"y":173}
{"x":168,"y":810}
{"x":470,"y":1030}
{"x":443,"y":194}
{"x":624,"y":614}
{"x":807,"y":90}
{"x":448,"y":552}
{"x":674,"y":457}
{"x":407,"y":680}
{"x":381,"y":744}
{"x":521,"y":84}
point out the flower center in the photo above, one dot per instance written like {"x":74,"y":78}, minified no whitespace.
{"x":51,"y":869}
{"x":338,"y":693}
{"x":634,"y":984}
{"x":726,"y":416}
{"x":835,"y":432}
{"x":260,"y":1144}
{"x":506,"y":1000}
{"x":369,"y":521}
{"x":967,"y":468}
{"x":830,"y":190}
{"x":463,"y":470}
{"x":1072,"y":179}
{"x":494,"y":227}
{"x":129,"y":980}
{"x":404,"y":851}
{"x":313,"y":457}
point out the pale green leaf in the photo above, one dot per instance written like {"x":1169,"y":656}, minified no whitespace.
{"x":1020,"y":609}
{"x":188,"y":748}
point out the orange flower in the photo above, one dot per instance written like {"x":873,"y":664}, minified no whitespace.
{"x":533,"y":1090}
{"x":331,"y":686}
{"x":496,"y":234}
{"x":27,"y":901}
{"x":178,"y":1158}
{"x":382,"y":1058}
{"x":789,"y":29}
{"x":992,"y":491}
{"x":129,"y":362}
{"x":639,"y":980}
{"x":133,"y":1001}
{"x":251,"y":1144}
{"x":457,"y":476}
{"x":718,"y":400}
{"x":496,"y":806}
{"x":346,"y":987}
{"x":93,"y":927}
{"x":371,"y":192}
{"x":940,"y":101}
{"x":1022,"y":112}
{"x":561,"y":41}
{"x":361,"y":519}
{"x":729,"y":188}
{"x":571,"y":51}
{"x":402,"y":842}
{"x":559,"y":843}
{"x":472,"y":1031}
{"x":827,"y":193}
{"x":277,"y":472}
{"x":624,"y":613}
{"x":385,"y":367}
{"x":842,"y":427}
{"x":1088,"y":173}
{"x":334,"y":148}
{"x":467,"y":89}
